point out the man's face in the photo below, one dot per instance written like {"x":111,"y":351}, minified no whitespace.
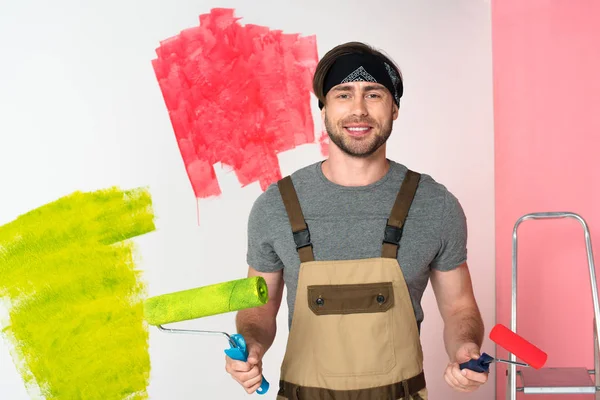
{"x":358,"y":117}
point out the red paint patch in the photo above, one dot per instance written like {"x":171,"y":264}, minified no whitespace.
{"x":236,"y":95}
{"x":324,"y":143}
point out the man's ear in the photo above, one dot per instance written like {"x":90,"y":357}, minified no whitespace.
{"x":395,"y":111}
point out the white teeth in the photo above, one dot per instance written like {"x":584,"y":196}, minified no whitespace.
{"x":357,"y":129}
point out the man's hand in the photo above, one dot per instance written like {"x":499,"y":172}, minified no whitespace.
{"x":465,"y":380}
{"x":249,"y":373}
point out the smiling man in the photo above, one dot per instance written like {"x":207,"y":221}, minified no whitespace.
{"x":355,"y":239}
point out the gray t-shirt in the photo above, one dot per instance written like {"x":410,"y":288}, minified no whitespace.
{"x":348,"y":223}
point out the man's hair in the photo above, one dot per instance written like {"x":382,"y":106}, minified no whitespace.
{"x":341,"y":50}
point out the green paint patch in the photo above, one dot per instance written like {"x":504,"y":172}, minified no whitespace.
{"x":75,"y":298}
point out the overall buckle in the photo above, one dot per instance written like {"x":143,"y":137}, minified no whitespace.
{"x":392,"y":234}
{"x":302,"y":238}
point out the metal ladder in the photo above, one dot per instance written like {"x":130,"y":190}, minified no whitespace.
{"x":555,"y":380}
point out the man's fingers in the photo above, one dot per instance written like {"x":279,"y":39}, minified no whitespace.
{"x":473,"y":376}
{"x":254,"y":353}
{"x":468,"y":378}
{"x":253,"y":356}
{"x":451,"y":379}
{"x":253,"y":388}
{"x":460,"y":378}
{"x":464,"y":380}
{"x":238,"y":366}
{"x":252,"y":384}
{"x":456,"y":379}
{"x":241,"y":374}
{"x":452,"y":382}
{"x":252,"y":374}
{"x":247,"y":374}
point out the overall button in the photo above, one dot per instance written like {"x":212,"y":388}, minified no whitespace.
{"x":380,"y":299}
{"x":320,"y":301}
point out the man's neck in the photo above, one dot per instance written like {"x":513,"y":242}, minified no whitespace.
{"x":345,"y":170}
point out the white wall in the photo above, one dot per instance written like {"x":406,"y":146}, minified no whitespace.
{"x":81,"y":110}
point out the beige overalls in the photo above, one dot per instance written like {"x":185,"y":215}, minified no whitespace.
{"x":354,"y":334}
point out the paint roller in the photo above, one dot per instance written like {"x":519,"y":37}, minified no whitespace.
{"x":210,"y":300}
{"x":515,"y":344}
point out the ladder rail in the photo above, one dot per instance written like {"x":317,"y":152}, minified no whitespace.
{"x":596,"y":370}
{"x":512,"y":368}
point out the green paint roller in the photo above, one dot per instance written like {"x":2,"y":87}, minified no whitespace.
{"x":210,"y":300}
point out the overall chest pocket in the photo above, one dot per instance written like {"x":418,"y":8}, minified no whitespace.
{"x":353,"y":328}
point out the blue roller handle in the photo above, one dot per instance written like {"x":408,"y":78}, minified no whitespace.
{"x":240,"y":353}
{"x":482,"y":364}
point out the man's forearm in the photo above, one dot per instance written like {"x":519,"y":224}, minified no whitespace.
{"x":463,"y":326}
{"x":257,"y":326}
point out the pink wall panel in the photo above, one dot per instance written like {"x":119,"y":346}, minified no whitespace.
{"x":546,"y":61}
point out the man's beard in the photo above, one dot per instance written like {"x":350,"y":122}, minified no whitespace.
{"x":359,"y":147}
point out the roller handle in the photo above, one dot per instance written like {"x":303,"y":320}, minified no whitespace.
{"x":240,"y":353}
{"x":482,"y":364}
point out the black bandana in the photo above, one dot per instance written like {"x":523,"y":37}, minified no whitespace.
{"x":363,"y":67}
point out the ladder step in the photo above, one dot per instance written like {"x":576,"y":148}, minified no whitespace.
{"x":556,"y":381}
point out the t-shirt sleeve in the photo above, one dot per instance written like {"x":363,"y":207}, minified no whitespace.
{"x":261,"y":254}
{"x":453,"y":236}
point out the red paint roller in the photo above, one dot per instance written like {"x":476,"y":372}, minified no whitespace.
{"x":507,"y":339}
{"x":518,"y":346}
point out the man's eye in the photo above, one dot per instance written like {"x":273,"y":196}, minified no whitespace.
{"x":342,"y":96}
{"x":374,"y":95}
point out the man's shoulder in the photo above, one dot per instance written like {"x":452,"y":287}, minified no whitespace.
{"x":429,"y":188}
{"x":435,"y":203}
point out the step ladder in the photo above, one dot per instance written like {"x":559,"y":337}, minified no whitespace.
{"x":573,"y":381}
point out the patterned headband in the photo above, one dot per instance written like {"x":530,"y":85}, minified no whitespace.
{"x":366,"y":68}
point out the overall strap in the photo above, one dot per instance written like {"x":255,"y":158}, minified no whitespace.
{"x":294,"y":212}
{"x":395,"y":223}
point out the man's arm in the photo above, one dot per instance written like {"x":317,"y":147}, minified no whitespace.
{"x":258,"y":325}
{"x":462,"y":320}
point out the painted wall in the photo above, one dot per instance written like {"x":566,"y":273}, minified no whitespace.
{"x":547,"y":97}
{"x":82,"y":109}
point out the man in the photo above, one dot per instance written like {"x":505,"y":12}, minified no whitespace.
{"x":355,"y":239}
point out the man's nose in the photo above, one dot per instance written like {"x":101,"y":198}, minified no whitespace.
{"x":359,"y":106}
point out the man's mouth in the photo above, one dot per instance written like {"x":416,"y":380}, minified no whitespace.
{"x":358,"y":130}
